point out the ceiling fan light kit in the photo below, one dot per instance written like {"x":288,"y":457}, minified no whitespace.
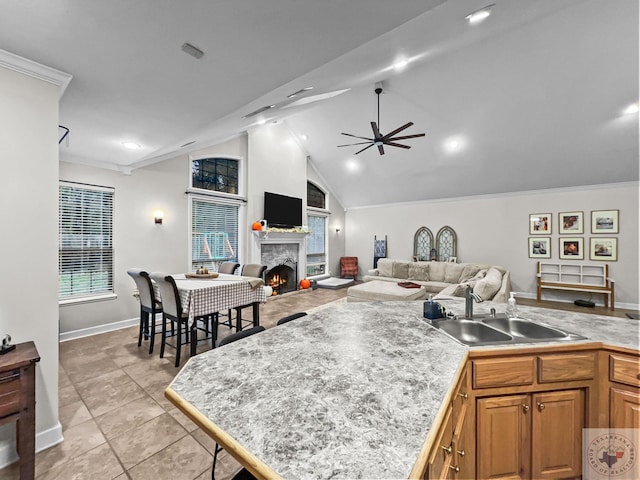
{"x":378,"y":139}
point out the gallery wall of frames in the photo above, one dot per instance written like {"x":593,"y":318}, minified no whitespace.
{"x":572,"y":242}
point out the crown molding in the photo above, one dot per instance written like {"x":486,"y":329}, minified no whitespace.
{"x":33,"y":69}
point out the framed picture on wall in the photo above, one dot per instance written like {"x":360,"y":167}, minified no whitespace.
{"x":570,"y":223}
{"x":603,"y":248}
{"x":604,"y":221}
{"x":540,"y":224}
{"x":539,"y":247}
{"x":571,"y":248}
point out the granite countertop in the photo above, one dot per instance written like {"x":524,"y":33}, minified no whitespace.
{"x":350,"y":391}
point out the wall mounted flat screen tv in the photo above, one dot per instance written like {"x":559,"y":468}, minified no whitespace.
{"x":282,"y":211}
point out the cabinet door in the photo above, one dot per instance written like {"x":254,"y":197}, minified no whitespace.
{"x":624,"y":409}
{"x":557,"y":422}
{"x":503,"y":441}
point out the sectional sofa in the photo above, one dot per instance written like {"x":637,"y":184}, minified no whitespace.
{"x":447,"y":279}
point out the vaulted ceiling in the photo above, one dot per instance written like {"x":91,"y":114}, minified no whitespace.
{"x":531,"y":98}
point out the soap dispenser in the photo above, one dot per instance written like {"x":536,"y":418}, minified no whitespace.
{"x":512,"y":308}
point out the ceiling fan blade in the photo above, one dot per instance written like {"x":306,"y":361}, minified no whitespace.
{"x":364,"y":149}
{"x":380,"y":149}
{"x":391,"y":144}
{"x":397,"y":130}
{"x":406,"y":137}
{"x":358,"y":143}
{"x":376,"y":132}
{"x":356,"y":136}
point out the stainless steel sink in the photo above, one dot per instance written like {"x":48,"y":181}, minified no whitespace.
{"x":519,"y":327}
{"x":493,"y":329}
{"x":471,"y":332}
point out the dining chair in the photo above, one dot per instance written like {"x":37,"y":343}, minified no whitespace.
{"x":288,"y":318}
{"x":172,"y":311}
{"x":229,"y":268}
{"x":243,"y":474}
{"x":150,"y":306}
{"x":248,"y":270}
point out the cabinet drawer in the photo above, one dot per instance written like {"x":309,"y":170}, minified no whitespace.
{"x":566,"y":367}
{"x":624,"y":369}
{"x":503,"y":372}
{"x":9,"y":393}
{"x":442,"y":447}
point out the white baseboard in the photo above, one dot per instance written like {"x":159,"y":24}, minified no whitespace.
{"x":108,"y":327}
{"x":44,"y":440}
{"x":552,"y":298}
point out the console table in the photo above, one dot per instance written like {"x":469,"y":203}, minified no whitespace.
{"x":576,"y":277}
{"x":18,"y":401}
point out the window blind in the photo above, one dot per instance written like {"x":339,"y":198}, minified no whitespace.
{"x":316,"y":260}
{"x":214,"y":233}
{"x":85,"y":252}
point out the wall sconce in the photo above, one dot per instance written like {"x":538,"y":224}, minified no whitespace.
{"x":158,"y":215}
{"x":337,"y":228}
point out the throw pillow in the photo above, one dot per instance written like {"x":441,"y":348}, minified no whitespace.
{"x":489,"y":285}
{"x":385,"y":267}
{"x":452,"y":272}
{"x":419,"y":271}
{"x":437,"y":270}
{"x":400,"y":269}
{"x":471,"y":270}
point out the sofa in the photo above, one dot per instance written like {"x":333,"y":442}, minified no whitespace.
{"x":447,"y":279}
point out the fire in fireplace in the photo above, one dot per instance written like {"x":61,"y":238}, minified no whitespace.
{"x":283,"y":277}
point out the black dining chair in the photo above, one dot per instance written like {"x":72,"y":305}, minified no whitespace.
{"x":229,"y":268}
{"x":172,"y":312}
{"x":248,"y":270}
{"x":243,"y":474}
{"x":150,"y":306}
{"x":288,"y":318}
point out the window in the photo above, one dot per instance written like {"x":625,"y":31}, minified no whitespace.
{"x":316,"y":255}
{"x":446,"y":241}
{"x":215,"y":174}
{"x":422,"y":244}
{"x":85,"y":247}
{"x":214,"y":232}
{"x":315,"y":196}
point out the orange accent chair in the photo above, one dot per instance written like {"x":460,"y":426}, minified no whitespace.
{"x":349,"y":267}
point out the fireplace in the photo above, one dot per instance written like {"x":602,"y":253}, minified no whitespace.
{"x":281,"y":248}
{"x":283,"y":278}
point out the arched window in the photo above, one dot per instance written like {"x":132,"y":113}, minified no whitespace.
{"x":446,"y":243}
{"x":315,"y":196}
{"x":422,"y":243}
{"x":216,"y":174}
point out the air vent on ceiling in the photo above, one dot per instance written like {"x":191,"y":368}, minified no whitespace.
{"x":260,"y":110}
{"x":188,"y":143}
{"x":191,"y":50}
{"x":302,"y":90}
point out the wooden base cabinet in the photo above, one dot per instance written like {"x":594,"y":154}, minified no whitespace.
{"x":530,"y":435}
{"x":624,"y":408}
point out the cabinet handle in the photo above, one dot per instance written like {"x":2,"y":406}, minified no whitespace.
{"x":448,"y":449}
{"x":461,"y":453}
{"x":463,"y":395}
{"x":455,"y":469}
{"x":638,"y":376}
{"x":525,"y":407}
{"x":540,"y":406}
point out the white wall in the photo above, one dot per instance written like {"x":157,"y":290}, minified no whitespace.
{"x":495,"y":230}
{"x":29,"y":240}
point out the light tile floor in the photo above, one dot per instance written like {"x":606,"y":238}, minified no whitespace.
{"x":116,"y":422}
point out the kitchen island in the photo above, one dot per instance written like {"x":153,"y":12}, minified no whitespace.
{"x":355,"y":390}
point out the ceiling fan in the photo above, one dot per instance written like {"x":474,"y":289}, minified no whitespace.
{"x":380,"y":140}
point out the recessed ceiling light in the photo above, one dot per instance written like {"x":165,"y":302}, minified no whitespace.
{"x":631,"y":109}
{"x":479,"y":15}
{"x":304,"y":137}
{"x":261,"y":121}
{"x":352,"y":165}
{"x":132,"y":145}
{"x":454,"y":144}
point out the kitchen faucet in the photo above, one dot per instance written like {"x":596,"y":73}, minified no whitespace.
{"x":469,"y":297}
